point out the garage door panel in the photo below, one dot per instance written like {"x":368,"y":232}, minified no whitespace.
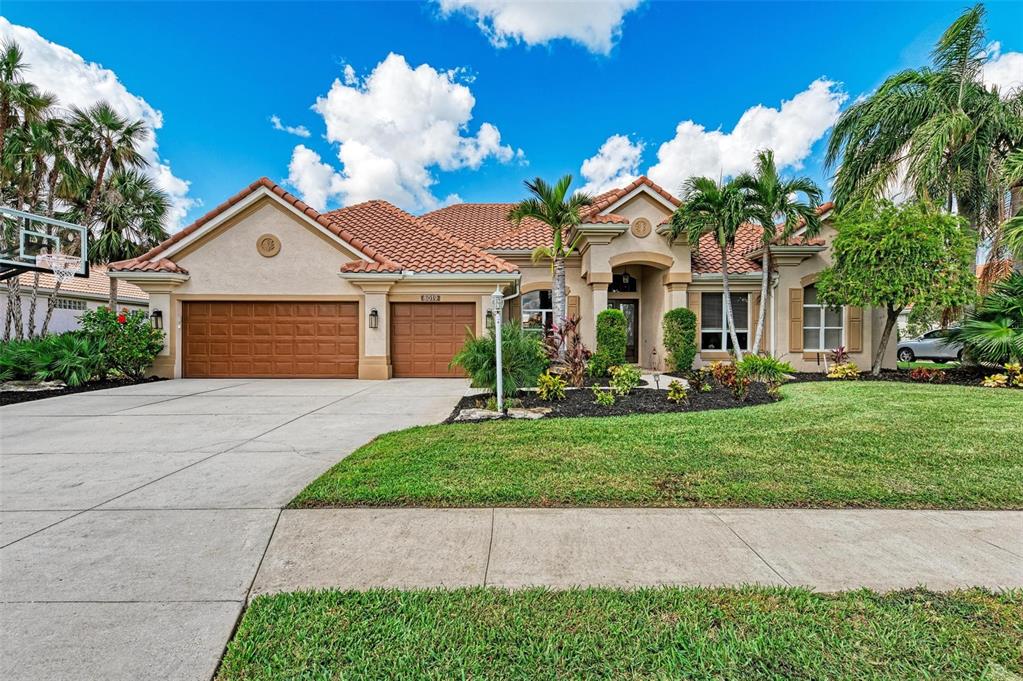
{"x":425,"y":336}
{"x":270,"y":339}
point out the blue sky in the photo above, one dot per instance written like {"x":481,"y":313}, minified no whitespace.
{"x":213,"y":74}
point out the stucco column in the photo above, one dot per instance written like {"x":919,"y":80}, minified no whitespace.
{"x":375,"y":353}
{"x":675,"y":295}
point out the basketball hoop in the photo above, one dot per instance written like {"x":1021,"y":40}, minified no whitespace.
{"x":63,"y":266}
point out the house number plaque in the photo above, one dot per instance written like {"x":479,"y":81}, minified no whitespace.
{"x":430,"y":297}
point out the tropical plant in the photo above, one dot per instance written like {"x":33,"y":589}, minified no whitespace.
{"x":552,"y":206}
{"x":564,"y":345}
{"x":845,"y":370}
{"x":992,"y":333}
{"x":611,"y":342}
{"x":522,"y":359}
{"x":74,"y":358}
{"x":927,"y":375}
{"x":889,"y":256}
{"x":680,"y":339}
{"x":782,"y":208}
{"x":624,"y":378}
{"x":130,"y":343}
{"x":605,"y":398}
{"x":995,"y":381}
{"x":719,"y":210}
{"x":677,"y":392}
{"x":550,"y":387}
{"x":941,"y":126}
{"x":764,"y":369}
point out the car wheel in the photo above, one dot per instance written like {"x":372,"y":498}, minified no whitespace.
{"x":906,"y":355}
{"x":959,"y":356}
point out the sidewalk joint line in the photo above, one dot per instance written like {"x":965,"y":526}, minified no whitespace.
{"x":490,"y":549}
{"x":755,"y":552}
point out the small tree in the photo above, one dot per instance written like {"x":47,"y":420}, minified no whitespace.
{"x":890,"y":256}
{"x":612,"y":336}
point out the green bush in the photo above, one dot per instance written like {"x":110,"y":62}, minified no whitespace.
{"x":522,"y":354}
{"x":993,"y":332}
{"x":611,"y":338}
{"x":18,"y":359}
{"x":624,"y":378}
{"x":764,"y":369}
{"x":680,"y":339}
{"x":550,"y":387}
{"x":604,"y":398}
{"x":130,"y":341}
{"x":74,"y":358}
{"x":677,"y":392}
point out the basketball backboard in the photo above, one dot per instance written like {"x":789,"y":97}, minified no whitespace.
{"x":31,"y":242}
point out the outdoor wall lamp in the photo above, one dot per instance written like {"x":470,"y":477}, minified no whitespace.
{"x":156,"y":319}
{"x":374,"y":318}
{"x":625,"y":278}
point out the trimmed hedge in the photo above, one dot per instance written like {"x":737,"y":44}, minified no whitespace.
{"x":611,"y":339}
{"x":680,"y":338}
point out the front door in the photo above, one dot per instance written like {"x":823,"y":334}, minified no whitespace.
{"x":629,"y":308}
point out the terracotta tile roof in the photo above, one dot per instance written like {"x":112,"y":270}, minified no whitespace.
{"x":299,"y":205}
{"x":603,"y":201}
{"x":411,"y":243}
{"x":97,"y":284}
{"x":140,"y":265}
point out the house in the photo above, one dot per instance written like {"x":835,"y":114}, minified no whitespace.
{"x":76,"y":295}
{"x":265,"y":286}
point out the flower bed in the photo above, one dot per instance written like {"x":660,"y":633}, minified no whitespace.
{"x":580,"y":402}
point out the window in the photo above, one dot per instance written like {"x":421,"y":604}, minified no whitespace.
{"x":714,"y":325}
{"x":822,"y":326}
{"x":537,"y":311}
{"x":69,"y":304}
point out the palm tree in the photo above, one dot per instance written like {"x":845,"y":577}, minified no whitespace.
{"x":128,"y":220}
{"x":939,"y":125}
{"x":779,"y":204}
{"x":719,"y":210}
{"x":103,"y":138}
{"x":548,"y":204}
{"x":993,"y":332}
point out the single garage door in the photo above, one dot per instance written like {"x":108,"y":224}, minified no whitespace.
{"x":271,"y":340}
{"x":425,"y":336}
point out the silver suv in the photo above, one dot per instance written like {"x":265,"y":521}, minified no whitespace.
{"x":930,"y":346}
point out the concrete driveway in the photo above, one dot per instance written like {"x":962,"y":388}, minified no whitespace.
{"x":133,"y":520}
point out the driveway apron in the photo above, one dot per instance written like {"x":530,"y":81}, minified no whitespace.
{"x":133,"y":520}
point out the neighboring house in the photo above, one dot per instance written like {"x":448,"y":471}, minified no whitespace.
{"x":76,"y":295}
{"x":264,"y":285}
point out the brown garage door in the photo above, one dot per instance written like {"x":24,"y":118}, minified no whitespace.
{"x":425,"y":336}
{"x":271,"y":340}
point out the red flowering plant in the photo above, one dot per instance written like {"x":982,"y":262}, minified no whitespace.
{"x":131,"y":342}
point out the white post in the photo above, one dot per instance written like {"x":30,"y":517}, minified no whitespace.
{"x":497,"y":304}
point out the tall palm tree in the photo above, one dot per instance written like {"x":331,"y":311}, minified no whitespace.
{"x":783,"y":206}
{"x":549,"y":205}
{"x":719,"y":210}
{"x":939,"y":125}
{"x":105,"y":139}
{"x":128,"y":220}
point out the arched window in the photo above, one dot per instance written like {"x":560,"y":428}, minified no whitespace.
{"x":822,"y":325}
{"x":537,"y":311}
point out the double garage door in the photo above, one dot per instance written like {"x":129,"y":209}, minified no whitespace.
{"x":234,"y":339}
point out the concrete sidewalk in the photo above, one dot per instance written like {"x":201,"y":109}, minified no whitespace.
{"x":827,"y":550}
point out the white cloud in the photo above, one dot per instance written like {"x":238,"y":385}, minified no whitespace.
{"x":1004,"y":69}
{"x":57,"y":69}
{"x":393,"y":128}
{"x":299,"y":130}
{"x":596,"y":25}
{"x":351,"y":78}
{"x":615,"y":164}
{"x":790,"y":130}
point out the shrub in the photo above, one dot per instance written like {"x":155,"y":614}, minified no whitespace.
{"x":727,"y":375}
{"x":130,"y":342}
{"x":995,"y":381}
{"x":550,"y":387}
{"x":1014,"y":370}
{"x":839,"y":355}
{"x":74,"y":358}
{"x":576,"y":354}
{"x":846,"y":370}
{"x":604,"y":398}
{"x":510,"y":403}
{"x":611,"y":339}
{"x":522,"y":354}
{"x":624,"y":378}
{"x":680,"y":339}
{"x":928,"y":375}
{"x":993,"y":332}
{"x":18,"y":359}
{"x":677,"y":392}
{"x":764,"y":369}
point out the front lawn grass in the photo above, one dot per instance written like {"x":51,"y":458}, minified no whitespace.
{"x":691,"y":633}
{"x":925,"y":364}
{"x":826,"y":444}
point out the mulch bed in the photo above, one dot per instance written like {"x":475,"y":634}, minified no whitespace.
{"x":971,"y":376}
{"x":639,"y":401}
{"x":18,"y":397}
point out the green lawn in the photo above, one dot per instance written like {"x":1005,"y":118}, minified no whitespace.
{"x":693,"y":633}
{"x":827,"y":444}
{"x":924,"y":364}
